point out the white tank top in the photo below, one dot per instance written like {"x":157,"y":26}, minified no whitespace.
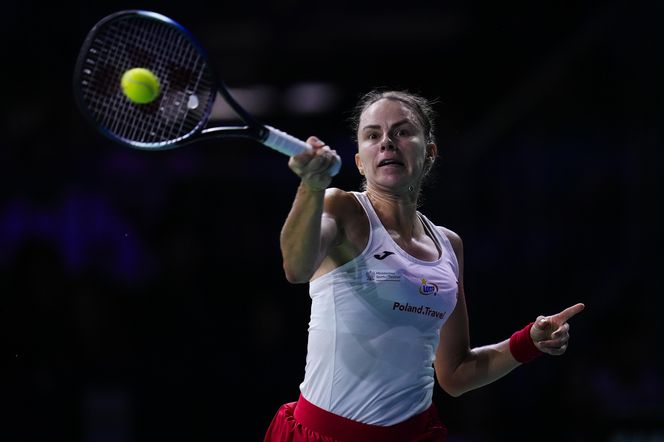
{"x":374,"y":328}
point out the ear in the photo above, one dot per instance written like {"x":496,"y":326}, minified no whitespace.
{"x":430,"y":158}
{"x":432,"y":152}
{"x":358,"y":163}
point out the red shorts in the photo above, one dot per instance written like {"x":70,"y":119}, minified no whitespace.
{"x":302,"y":421}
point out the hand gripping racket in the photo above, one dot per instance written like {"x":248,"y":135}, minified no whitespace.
{"x":188,"y":87}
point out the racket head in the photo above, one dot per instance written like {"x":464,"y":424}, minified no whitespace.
{"x":138,"y":38}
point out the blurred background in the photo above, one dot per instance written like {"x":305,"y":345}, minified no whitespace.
{"x":142,"y":296}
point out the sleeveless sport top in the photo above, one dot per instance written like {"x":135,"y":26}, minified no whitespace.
{"x":374,"y":328}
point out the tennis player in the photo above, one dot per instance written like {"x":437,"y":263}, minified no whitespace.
{"x":386,"y":283}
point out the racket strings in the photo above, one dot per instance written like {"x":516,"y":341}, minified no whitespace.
{"x":187,"y":86}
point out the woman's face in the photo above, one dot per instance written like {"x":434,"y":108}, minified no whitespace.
{"x":391,"y":145}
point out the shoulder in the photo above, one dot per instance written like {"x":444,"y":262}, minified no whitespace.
{"x":340,"y":202}
{"x":454,"y":238}
{"x":336,"y":193}
{"x":349,"y":217}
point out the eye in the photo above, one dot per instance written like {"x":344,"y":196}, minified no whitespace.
{"x":403,"y":132}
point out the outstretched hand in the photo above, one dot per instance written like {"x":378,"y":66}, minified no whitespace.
{"x":551,"y":333}
{"x":314,"y":166}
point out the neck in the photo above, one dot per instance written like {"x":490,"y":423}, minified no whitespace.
{"x":396,"y":211}
{"x":403,"y":196}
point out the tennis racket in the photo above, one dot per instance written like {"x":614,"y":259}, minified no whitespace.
{"x":188,"y":87}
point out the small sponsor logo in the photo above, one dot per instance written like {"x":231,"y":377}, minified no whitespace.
{"x":428,"y":288}
{"x":377,"y":275}
{"x":385,"y":254}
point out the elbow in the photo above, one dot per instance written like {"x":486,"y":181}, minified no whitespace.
{"x":450,"y":388}
{"x":296,"y":276}
{"x":295,"y":279}
{"x":454,"y":392}
{"x":452,"y":381}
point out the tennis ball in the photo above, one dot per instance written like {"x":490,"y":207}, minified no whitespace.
{"x":140,"y":85}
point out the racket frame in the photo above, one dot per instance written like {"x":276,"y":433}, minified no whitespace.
{"x":252,"y":129}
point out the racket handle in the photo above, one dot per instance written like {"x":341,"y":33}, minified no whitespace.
{"x":289,"y":145}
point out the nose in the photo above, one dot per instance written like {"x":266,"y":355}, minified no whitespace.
{"x":386,"y":143}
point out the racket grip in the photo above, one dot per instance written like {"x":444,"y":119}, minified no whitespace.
{"x":289,"y":145}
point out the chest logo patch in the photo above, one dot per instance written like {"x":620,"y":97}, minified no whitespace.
{"x":428,"y":288}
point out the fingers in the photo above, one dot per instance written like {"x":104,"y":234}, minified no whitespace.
{"x":546,"y":322}
{"x":318,"y":158}
{"x":551,"y":333}
{"x":566,"y":314}
{"x":541,"y":322}
{"x":554,"y":351}
{"x":300,"y":161}
{"x":313,"y":166}
{"x":315,"y":142}
{"x":562,"y":332}
{"x":557,"y":342}
{"x":322,"y":161}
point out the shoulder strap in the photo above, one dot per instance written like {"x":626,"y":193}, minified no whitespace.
{"x":443,"y":240}
{"x":368,"y":209}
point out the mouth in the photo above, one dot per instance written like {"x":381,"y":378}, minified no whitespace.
{"x":389,"y":162}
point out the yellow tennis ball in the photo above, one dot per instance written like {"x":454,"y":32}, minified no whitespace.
{"x":140,"y":85}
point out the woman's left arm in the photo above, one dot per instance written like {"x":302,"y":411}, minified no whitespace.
{"x":460,"y":368}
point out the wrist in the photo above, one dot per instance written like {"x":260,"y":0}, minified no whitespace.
{"x":522,"y":347}
{"x":311,"y":188}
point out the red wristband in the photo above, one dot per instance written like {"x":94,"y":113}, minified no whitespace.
{"x":522,"y":346}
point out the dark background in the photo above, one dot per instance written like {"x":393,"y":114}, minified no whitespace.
{"x":142,"y":297}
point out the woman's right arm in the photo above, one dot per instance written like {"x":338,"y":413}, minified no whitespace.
{"x":310,"y":228}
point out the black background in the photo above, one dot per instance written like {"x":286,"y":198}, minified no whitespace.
{"x":142,"y":296}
